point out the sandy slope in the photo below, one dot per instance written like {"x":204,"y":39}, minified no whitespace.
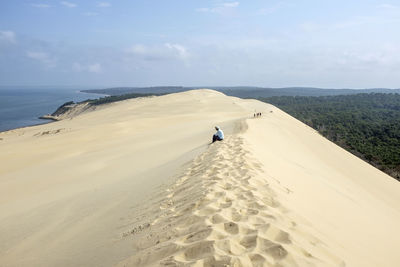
{"x":135,"y":183}
{"x":69,"y":189}
{"x":353,"y":207}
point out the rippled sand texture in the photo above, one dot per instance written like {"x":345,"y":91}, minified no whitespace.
{"x":222,"y":212}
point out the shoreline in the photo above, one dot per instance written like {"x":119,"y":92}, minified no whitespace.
{"x":83,"y":92}
{"x":48,"y":118}
{"x":46,"y":121}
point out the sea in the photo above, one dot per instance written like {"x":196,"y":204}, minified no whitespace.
{"x":22,"y":106}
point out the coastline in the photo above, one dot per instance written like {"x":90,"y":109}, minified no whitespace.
{"x":46,"y":121}
{"x":71,"y":109}
{"x":100,"y":94}
{"x":21,"y":108}
{"x":48,"y":117}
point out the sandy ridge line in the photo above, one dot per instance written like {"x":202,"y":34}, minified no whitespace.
{"x":222,"y":212}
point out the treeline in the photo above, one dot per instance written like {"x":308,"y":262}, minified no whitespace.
{"x":367,"y":125}
{"x":115,"y":91}
{"x":242,"y":91}
{"x":95,"y":102}
{"x":115,"y":98}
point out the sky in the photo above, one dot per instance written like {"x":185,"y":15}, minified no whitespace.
{"x":269,"y":43}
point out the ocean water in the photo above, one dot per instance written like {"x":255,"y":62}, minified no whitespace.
{"x":20,"y":107}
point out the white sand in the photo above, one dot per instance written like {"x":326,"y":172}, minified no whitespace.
{"x":113,"y":185}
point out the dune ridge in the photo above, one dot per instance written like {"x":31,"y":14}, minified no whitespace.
{"x":222,"y":212}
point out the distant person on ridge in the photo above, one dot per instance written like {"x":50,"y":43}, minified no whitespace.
{"x":219,"y":135}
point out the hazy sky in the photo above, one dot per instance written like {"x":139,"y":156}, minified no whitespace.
{"x":272,"y":43}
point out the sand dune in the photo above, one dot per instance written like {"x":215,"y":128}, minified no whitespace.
{"x":136,"y":183}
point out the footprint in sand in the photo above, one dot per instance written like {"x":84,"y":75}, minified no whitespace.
{"x":222,"y":212}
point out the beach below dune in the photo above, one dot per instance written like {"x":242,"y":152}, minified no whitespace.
{"x":136,"y":183}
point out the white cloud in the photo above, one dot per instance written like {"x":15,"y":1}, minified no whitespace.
{"x":310,"y":27}
{"x":274,"y":8}
{"x":40,"y":5}
{"x":221,"y":8}
{"x":90,"y":14}
{"x":364,"y":21}
{"x":388,"y":6}
{"x":103,"y":4}
{"x":37,"y":55}
{"x":93,"y":68}
{"x":166,"y":51}
{"x":68,"y":4}
{"x":44,"y":58}
{"x":77,"y":67}
{"x":180,"y":50}
{"x":230,"y":4}
{"x":384,"y":57}
{"x":203,"y":9}
{"x":8,"y":37}
{"x":267,"y":10}
{"x":138,"y":49}
{"x":352,"y":22}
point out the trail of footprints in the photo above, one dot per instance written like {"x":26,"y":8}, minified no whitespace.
{"x":221,"y":212}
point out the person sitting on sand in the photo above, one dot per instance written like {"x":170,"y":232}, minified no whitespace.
{"x":219,"y":135}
